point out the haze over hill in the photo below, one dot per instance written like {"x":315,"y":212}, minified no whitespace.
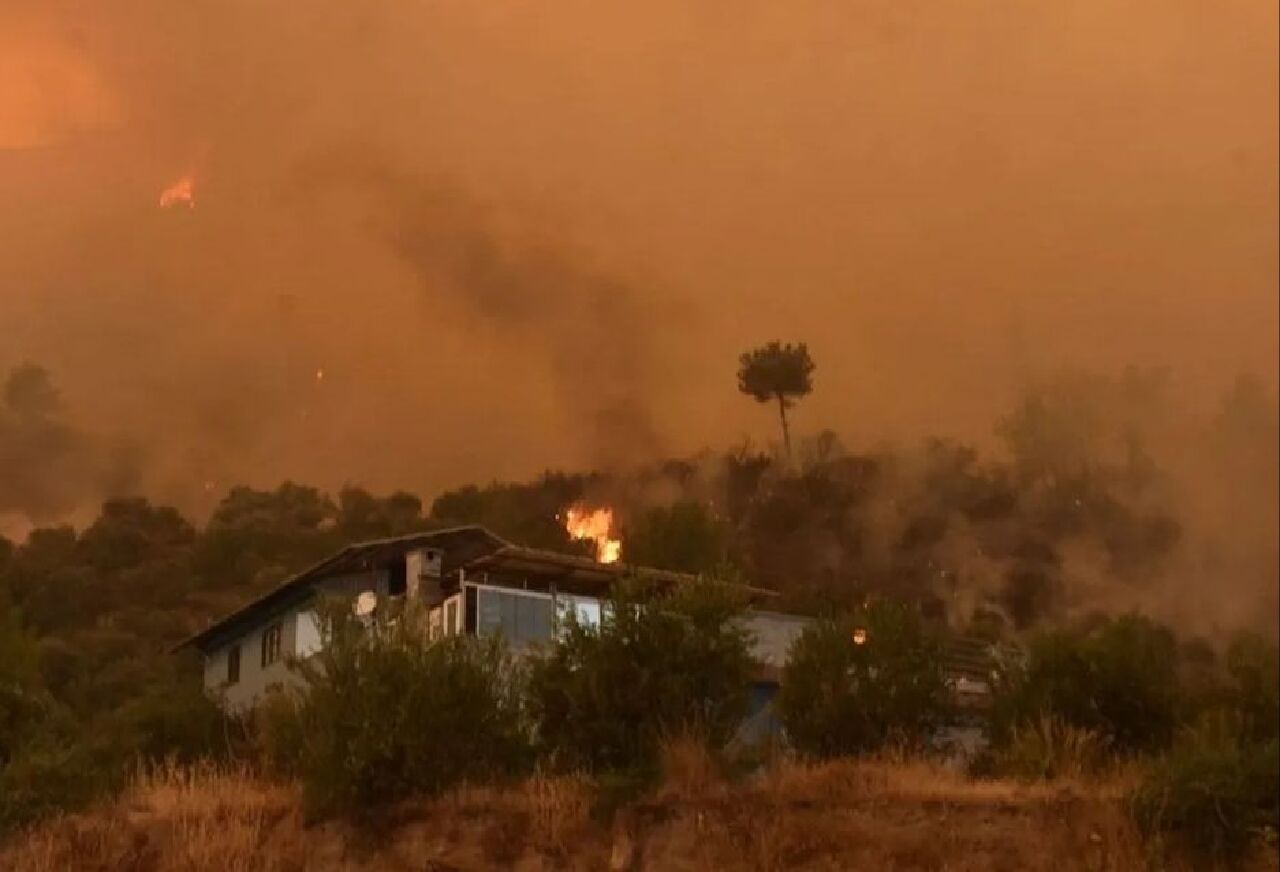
{"x":281,"y":277}
{"x":448,"y":243}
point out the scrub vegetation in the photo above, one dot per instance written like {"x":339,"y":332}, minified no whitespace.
{"x":1098,"y":679}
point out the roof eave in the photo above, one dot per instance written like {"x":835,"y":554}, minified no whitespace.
{"x":280,"y":596}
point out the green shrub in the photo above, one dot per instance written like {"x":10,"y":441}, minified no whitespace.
{"x":51,"y":775}
{"x":21,"y":711}
{"x":684,"y":536}
{"x":603,"y":697}
{"x":53,"y":759}
{"x":174,"y":719}
{"x":840,"y":697}
{"x":1117,"y":678}
{"x":1220,"y":785}
{"x":278,"y":728}
{"x":383,"y":713}
{"x":1213,"y":793}
{"x":43,"y":768}
{"x":24,"y":701}
{"x":61,"y":764}
{"x":1254,"y":667}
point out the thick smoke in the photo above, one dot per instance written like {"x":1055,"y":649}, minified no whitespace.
{"x":441,"y":243}
{"x":526,"y":290}
{"x":48,"y":467}
{"x":1113,"y":494}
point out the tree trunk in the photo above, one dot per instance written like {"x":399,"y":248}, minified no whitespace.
{"x":786,"y":433}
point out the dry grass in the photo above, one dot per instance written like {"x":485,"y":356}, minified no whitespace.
{"x":1051,"y":748}
{"x":906,"y":814}
{"x":690,"y":772}
{"x":885,"y":814}
{"x":560,"y":812}
{"x":172,"y":818}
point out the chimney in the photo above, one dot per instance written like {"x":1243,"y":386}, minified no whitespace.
{"x":423,"y":568}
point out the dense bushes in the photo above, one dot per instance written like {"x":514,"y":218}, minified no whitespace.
{"x":1213,"y":792}
{"x":23,"y":700}
{"x":604,"y":696}
{"x":55,"y":757}
{"x":1208,"y":731}
{"x":1116,"y":677}
{"x":174,"y":719}
{"x":52,"y":774}
{"x":841,"y":696}
{"x":1254,"y":690}
{"x":57,"y":761}
{"x":1220,"y":783}
{"x":386,"y":713}
{"x":684,"y":536}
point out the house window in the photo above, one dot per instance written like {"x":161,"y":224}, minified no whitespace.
{"x":520,"y":618}
{"x":451,"y":617}
{"x":271,"y":644}
{"x":585,"y":610}
{"x":233,"y":664}
{"x":397,"y":578}
{"x":469,"y":611}
{"x":306,"y":636}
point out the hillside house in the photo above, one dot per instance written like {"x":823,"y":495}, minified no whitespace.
{"x":468,"y":580}
{"x":471,"y":582}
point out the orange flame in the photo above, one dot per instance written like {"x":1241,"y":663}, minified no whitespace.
{"x":596,"y":525}
{"x":182,"y":192}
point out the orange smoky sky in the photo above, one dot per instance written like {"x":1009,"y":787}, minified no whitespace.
{"x":520,"y":235}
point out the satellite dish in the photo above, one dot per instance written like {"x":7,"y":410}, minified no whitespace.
{"x":365,"y":603}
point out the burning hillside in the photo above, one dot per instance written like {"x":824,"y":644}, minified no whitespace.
{"x":595,"y":525}
{"x":180,"y":193}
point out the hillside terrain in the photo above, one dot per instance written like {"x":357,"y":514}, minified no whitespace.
{"x":843,"y":815}
{"x":1076,"y":550}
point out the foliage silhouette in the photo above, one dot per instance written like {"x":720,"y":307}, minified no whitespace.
{"x":857,"y":683}
{"x":777,"y":372}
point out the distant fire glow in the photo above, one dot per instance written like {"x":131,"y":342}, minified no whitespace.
{"x":596,"y":525}
{"x":859,"y":636}
{"x":180,"y":193}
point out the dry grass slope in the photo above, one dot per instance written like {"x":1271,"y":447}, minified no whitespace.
{"x":883,"y":815}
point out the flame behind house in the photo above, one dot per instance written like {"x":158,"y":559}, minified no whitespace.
{"x":596,"y":525}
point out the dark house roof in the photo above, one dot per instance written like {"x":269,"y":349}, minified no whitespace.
{"x":472,"y":549}
{"x":571,"y":572}
{"x":459,"y":545}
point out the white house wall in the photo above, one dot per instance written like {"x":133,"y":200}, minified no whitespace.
{"x":772,"y":634}
{"x":255,"y":679}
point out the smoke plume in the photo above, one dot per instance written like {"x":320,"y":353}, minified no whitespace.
{"x":524,"y":288}
{"x":48,"y":467}
{"x":440,"y":243}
